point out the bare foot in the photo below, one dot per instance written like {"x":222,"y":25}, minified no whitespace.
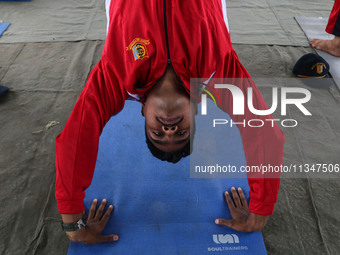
{"x":330,"y":46}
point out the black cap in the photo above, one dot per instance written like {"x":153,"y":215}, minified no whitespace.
{"x":311,"y":66}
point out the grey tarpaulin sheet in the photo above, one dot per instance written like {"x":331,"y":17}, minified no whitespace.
{"x":306,"y":214}
{"x":315,"y":28}
{"x":271,"y":21}
{"x":251,"y":22}
{"x":45,"y":80}
{"x":49,"y":20}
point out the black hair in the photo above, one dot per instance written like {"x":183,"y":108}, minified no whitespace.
{"x":175,"y":156}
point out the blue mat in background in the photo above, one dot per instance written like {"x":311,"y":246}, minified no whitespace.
{"x":159,"y":209}
{"x":3,"y":27}
{"x":3,"y":90}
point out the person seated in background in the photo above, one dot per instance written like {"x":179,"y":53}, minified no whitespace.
{"x":333,"y":27}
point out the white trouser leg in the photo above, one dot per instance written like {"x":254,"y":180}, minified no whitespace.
{"x":224,"y":9}
{"x":107,"y":7}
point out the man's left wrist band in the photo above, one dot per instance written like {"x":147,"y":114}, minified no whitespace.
{"x":74,"y":226}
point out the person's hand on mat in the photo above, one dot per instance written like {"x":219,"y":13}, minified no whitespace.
{"x":242,"y":219}
{"x":96,"y":222}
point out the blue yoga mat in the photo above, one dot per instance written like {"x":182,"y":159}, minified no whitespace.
{"x":159,"y":209}
{"x":3,"y":27}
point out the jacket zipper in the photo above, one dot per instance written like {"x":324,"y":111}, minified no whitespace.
{"x":166,"y":32}
{"x":168,"y":47}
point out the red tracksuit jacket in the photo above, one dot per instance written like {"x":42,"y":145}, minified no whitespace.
{"x":143,"y":37}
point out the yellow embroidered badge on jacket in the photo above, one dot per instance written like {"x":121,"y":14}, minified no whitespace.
{"x":138,"y":47}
